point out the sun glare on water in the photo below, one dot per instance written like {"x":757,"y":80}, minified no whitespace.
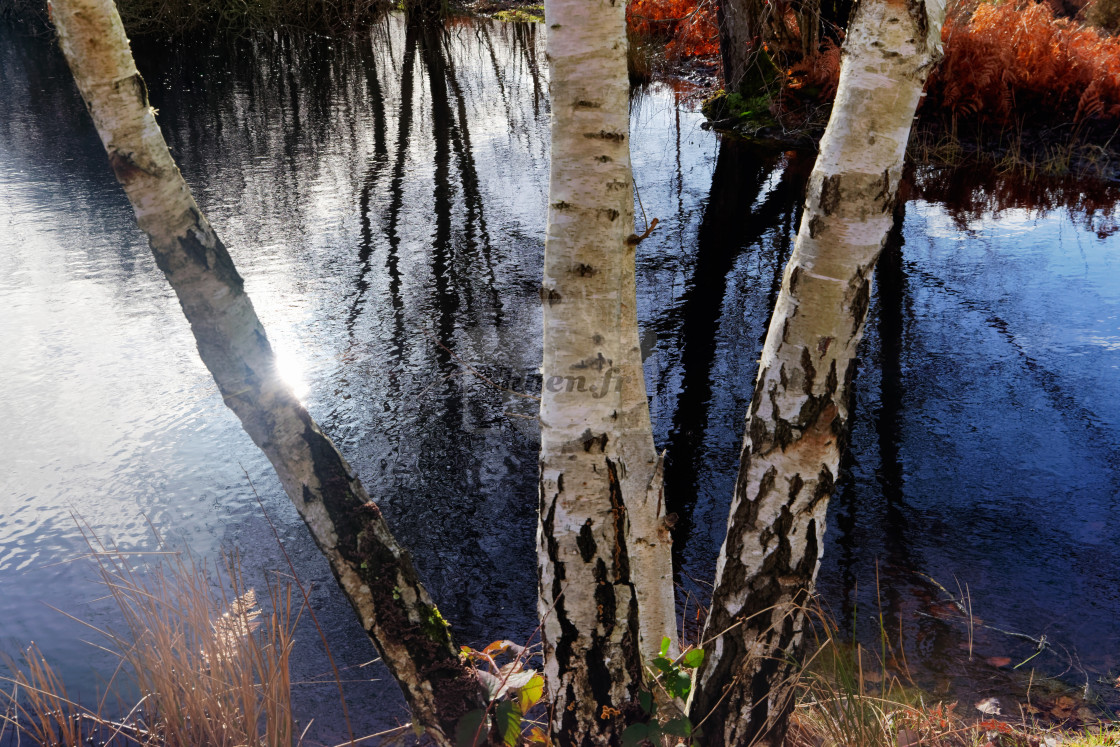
{"x":292,"y":373}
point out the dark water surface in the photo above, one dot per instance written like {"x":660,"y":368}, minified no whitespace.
{"x":382,"y":196}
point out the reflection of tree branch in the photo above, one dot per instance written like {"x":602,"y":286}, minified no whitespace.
{"x":396,"y":187}
{"x":726,"y":230}
{"x":373,"y":175}
{"x":468,"y":178}
{"x":447,"y":284}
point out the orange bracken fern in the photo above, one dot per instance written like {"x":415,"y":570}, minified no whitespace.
{"x":687,"y":26}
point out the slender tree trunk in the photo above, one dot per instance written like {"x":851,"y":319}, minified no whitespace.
{"x":376,"y":574}
{"x":740,"y":24}
{"x":602,"y":543}
{"x":799,"y":411}
{"x":642,"y":479}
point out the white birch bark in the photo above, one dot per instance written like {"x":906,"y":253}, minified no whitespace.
{"x":376,"y":574}
{"x":799,"y":412}
{"x":600,"y":494}
{"x":650,"y":541}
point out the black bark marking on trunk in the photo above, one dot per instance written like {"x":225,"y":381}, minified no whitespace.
{"x":616,"y":137}
{"x":831,"y":383}
{"x":603,"y":159}
{"x":823,"y":345}
{"x":331,"y":472}
{"x":586,"y":542}
{"x":604,"y":602}
{"x":126,"y":169}
{"x":590,"y":441}
{"x":214,"y":258}
{"x":861,"y":299}
{"x":612,"y":585}
{"x":813,"y":410}
{"x":765,"y":485}
{"x":917,"y":11}
{"x":598,"y":363}
{"x":795,"y":485}
{"x":809,"y":370}
{"x":550,"y":296}
{"x":815,"y":224}
{"x":830,"y":194}
{"x":582,"y":104}
{"x":823,"y":490}
{"x":631,"y":655}
{"x":884,"y":195}
{"x":585,"y":271}
{"x":618,"y":515}
{"x":568,"y":631}
{"x":756,"y":396}
{"x":139,"y":87}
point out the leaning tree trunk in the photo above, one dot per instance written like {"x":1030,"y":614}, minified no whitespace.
{"x":375,"y":573}
{"x":798,"y":415}
{"x":600,"y":484}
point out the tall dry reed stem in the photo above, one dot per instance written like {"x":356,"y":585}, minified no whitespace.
{"x":211,"y":668}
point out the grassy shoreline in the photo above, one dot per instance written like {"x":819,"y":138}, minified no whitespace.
{"x":211,"y":662}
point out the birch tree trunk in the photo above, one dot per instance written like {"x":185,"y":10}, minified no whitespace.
{"x":642,"y":473}
{"x":603,"y":549}
{"x":799,"y":411}
{"x":642,"y":480}
{"x":375,"y":573}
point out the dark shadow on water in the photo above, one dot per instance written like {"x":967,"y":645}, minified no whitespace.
{"x":737,"y":216}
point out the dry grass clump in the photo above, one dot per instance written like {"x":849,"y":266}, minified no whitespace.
{"x":210,"y":666}
{"x":852,"y":696}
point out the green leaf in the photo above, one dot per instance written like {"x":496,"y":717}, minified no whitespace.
{"x":678,"y":685}
{"x":694,"y":658}
{"x":645,"y":700}
{"x":471,"y":731}
{"x":530,"y":694}
{"x":508,"y":722}
{"x":635,"y":734}
{"x":678,"y":727}
{"x":663,"y":664}
{"x":665,"y":643}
